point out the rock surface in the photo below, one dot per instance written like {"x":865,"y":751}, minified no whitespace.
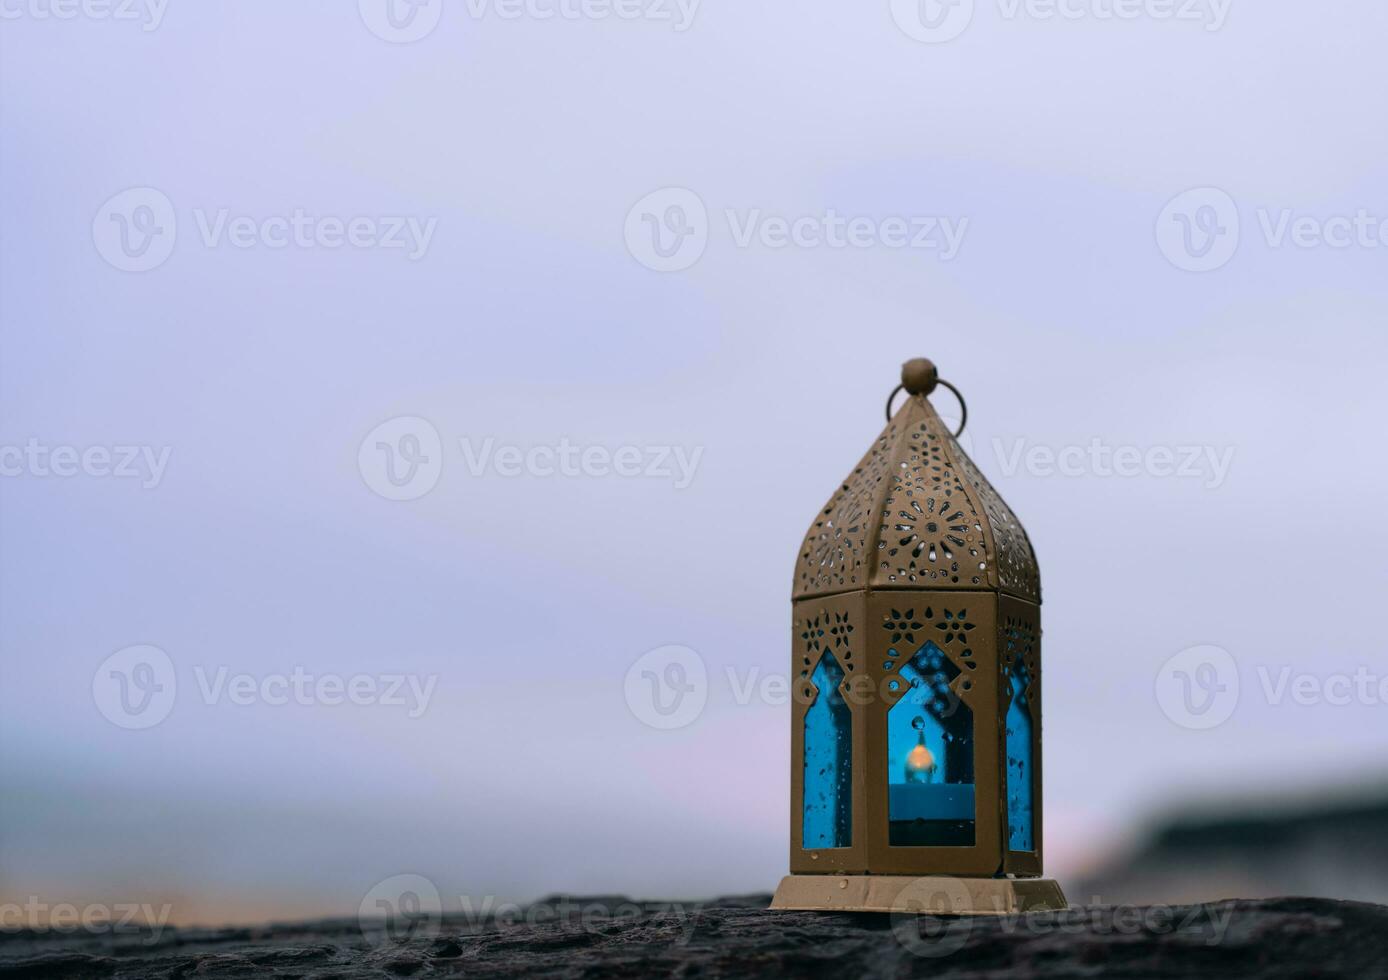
{"x":600,"y":938}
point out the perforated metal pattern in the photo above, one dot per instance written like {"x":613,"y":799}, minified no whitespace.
{"x":916,"y":513}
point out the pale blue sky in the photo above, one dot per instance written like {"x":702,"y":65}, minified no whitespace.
{"x":527,"y":321}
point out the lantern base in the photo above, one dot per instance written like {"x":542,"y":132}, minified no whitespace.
{"x":927,"y":895}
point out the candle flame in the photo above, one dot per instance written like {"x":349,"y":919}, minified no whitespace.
{"x":920,"y":759}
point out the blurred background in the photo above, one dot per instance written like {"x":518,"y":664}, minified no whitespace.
{"x":382,"y":382}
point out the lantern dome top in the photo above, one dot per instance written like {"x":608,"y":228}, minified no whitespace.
{"x":916,"y":513}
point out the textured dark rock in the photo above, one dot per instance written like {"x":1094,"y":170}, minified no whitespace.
{"x":593,"y":938}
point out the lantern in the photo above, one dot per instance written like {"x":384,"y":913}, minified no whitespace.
{"x":916,"y":667}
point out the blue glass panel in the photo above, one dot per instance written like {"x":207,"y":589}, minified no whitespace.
{"x":930,"y":757}
{"x":828,"y":802}
{"x":1019,"y":809}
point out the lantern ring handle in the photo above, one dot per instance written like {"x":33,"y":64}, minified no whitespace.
{"x":963,"y":406}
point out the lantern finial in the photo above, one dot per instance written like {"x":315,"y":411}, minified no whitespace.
{"x":919,"y":376}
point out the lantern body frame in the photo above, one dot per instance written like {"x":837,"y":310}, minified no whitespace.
{"x":917,"y":533}
{"x":865,"y":689}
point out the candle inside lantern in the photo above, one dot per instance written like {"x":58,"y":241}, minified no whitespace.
{"x":920,"y":763}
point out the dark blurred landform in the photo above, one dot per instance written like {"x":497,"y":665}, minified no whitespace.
{"x":1335,"y":848}
{"x":1227,"y":863}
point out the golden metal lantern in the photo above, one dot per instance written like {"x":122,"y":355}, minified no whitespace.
{"x":916,"y":657}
